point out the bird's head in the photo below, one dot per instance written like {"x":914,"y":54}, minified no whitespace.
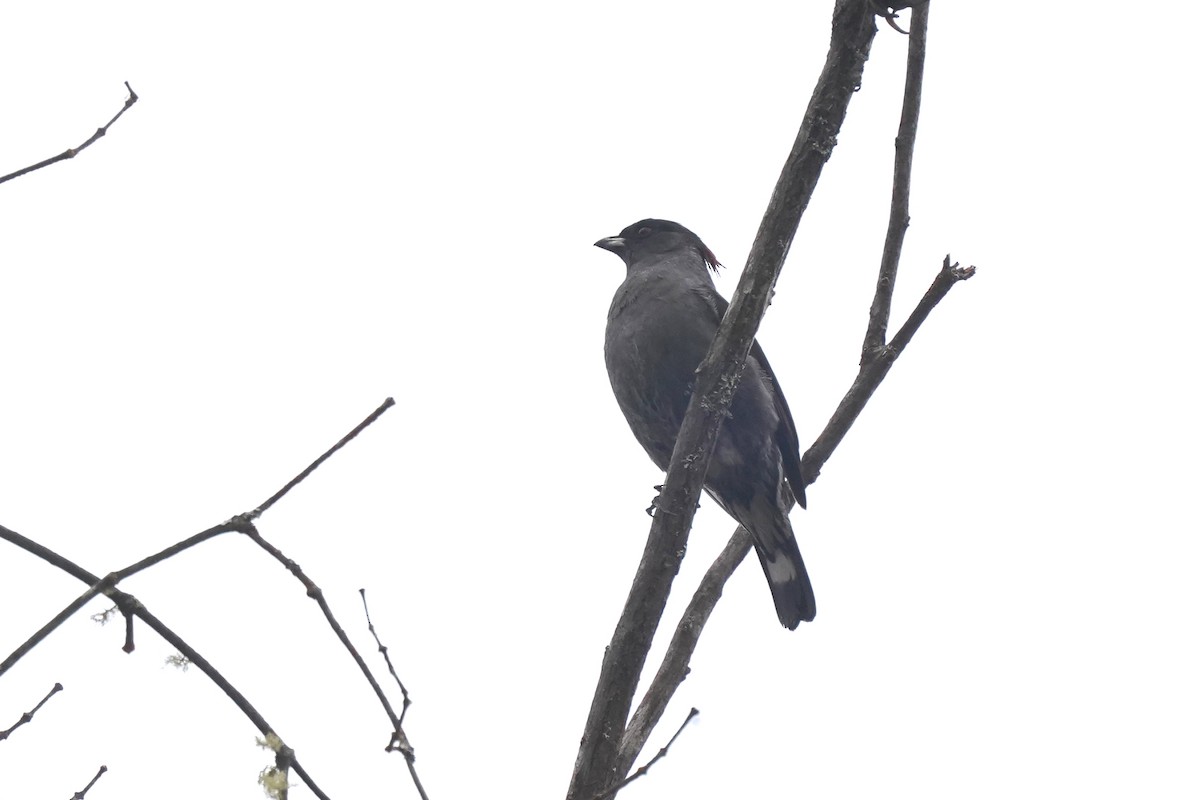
{"x":656,"y":237}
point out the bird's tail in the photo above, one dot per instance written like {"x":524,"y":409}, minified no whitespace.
{"x":781,"y":562}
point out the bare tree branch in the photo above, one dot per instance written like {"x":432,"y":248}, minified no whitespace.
{"x":873,"y":369}
{"x":100,"y":587}
{"x":661,"y":754}
{"x":906,"y":140}
{"x":399,"y":740}
{"x":386,"y":658}
{"x":74,"y":151}
{"x":872,"y":373}
{"x":130,"y":607}
{"x":27,"y":717}
{"x":270,"y":501}
{"x":674,"y":668}
{"x":717,"y":378}
{"x":82,"y":793}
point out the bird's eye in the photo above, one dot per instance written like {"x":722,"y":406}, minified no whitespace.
{"x":643,"y":231}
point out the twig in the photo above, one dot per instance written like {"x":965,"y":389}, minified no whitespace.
{"x":888,"y":12}
{"x":399,"y":741}
{"x":596,"y":764}
{"x":872,"y":373}
{"x":674,"y":668}
{"x":906,"y":140}
{"x":130,"y":607}
{"x":83,"y":792}
{"x":74,"y":151}
{"x":27,"y":717}
{"x":96,"y":586}
{"x":399,"y":738}
{"x":386,"y":658}
{"x":642,"y":770}
{"x":237,"y":523}
{"x":216,"y":677}
{"x":229,"y":526}
{"x":270,"y":501}
{"x":315,"y":592}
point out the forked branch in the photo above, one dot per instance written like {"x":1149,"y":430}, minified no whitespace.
{"x":597,"y":764}
{"x":876,"y":361}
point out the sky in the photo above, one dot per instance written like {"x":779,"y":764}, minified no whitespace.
{"x":312,"y":208}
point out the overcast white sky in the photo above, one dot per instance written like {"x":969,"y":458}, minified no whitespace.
{"x":313,"y":207}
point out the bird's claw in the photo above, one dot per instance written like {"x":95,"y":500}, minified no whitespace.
{"x":650,"y":509}
{"x":887,"y":10}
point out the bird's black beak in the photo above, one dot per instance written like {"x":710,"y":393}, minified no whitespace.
{"x":613,"y":244}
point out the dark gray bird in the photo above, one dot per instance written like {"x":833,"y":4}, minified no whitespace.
{"x":661,"y":323}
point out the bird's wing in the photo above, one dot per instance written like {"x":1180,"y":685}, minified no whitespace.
{"x":786,"y":437}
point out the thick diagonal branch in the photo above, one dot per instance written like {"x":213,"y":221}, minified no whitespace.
{"x":596,"y":765}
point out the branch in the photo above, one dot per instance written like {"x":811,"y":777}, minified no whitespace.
{"x":131,"y":607}
{"x":661,"y":754}
{"x":27,"y":717}
{"x":74,"y":151}
{"x":399,"y":741}
{"x":674,"y":667}
{"x":596,"y":764}
{"x":96,"y":587}
{"x":273,"y":499}
{"x":386,"y":658}
{"x":898,"y":219}
{"x":128,"y":603}
{"x":82,"y":793}
{"x":872,"y":373}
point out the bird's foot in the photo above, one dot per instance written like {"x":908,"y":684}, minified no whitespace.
{"x":650,"y":509}
{"x":887,"y":10}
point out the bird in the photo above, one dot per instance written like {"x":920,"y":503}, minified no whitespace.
{"x":661,"y":323}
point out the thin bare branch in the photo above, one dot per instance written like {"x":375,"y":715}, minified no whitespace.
{"x":315,"y":592}
{"x":229,"y":526}
{"x":596,"y":765}
{"x":872,"y":373}
{"x":270,"y":501}
{"x":96,"y":587}
{"x":906,"y":140}
{"x":27,"y":717}
{"x":74,"y":151}
{"x":399,"y":737}
{"x":674,"y":668}
{"x":383,"y":650}
{"x":661,"y":754}
{"x":237,"y":523}
{"x":131,"y":608}
{"x":949,"y":275}
{"x":141,"y":612}
{"x":82,"y":793}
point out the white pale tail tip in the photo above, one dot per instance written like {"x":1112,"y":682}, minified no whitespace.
{"x":781,"y":570}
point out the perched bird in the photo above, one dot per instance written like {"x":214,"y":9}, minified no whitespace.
{"x":661,"y":324}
